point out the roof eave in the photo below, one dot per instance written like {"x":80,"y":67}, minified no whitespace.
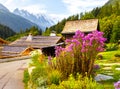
{"x":74,"y":32}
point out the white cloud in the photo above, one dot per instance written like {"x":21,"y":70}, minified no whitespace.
{"x":24,"y":4}
{"x":58,"y":17}
{"x":24,"y":0}
{"x":8,"y":2}
{"x":35,"y":9}
{"x":77,"y":6}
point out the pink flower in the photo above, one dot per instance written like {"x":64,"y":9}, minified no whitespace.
{"x":49,"y":59}
{"x":75,"y":41}
{"x":58,"y":50}
{"x":117,"y":85}
{"x":78,"y":35}
{"x":68,"y":41}
{"x":70,"y":48}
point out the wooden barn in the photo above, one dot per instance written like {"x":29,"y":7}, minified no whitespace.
{"x":85,"y":26}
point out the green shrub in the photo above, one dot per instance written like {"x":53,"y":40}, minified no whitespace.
{"x":54,"y":77}
{"x":37,"y":58}
{"x":112,"y":47}
{"x":38,"y":76}
{"x":26,"y":78}
{"x":99,"y":57}
{"x":79,"y":83}
{"x":117,"y":55}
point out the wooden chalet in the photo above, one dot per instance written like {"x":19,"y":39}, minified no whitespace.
{"x":85,"y":26}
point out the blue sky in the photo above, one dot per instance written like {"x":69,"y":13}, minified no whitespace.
{"x":55,"y":8}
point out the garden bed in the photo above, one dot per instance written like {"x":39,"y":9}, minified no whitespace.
{"x":73,"y":67}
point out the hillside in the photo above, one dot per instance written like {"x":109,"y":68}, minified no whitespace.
{"x":33,"y":30}
{"x":112,"y":2}
{"x":6,"y":32}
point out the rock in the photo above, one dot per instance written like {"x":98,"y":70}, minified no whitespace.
{"x":101,"y":77}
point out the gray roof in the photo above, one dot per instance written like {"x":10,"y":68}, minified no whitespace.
{"x":82,"y":25}
{"x":12,"y":50}
{"x":37,"y":41}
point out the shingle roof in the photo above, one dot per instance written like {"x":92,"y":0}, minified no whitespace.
{"x":82,"y":25}
{"x":37,"y":41}
{"x":13,"y":50}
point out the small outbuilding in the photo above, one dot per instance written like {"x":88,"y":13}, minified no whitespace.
{"x":85,"y":26}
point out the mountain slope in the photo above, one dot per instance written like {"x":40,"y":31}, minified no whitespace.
{"x":13,"y":21}
{"x":112,"y":2}
{"x":40,"y":19}
{"x":3,"y":8}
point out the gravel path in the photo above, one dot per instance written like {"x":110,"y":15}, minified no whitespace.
{"x":11,"y":74}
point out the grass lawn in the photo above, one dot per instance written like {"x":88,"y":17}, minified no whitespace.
{"x":108,"y":84}
{"x":109,"y":58}
{"x":108,"y":55}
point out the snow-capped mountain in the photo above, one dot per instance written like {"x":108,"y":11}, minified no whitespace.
{"x":15,"y":22}
{"x":3,"y":8}
{"x":40,"y":19}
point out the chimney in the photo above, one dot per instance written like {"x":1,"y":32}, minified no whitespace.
{"x":53,"y":33}
{"x":29,"y":38}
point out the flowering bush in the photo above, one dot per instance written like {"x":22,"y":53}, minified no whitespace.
{"x":117,"y":85}
{"x":79,"y":54}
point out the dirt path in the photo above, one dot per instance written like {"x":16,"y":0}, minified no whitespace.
{"x":11,"y":74}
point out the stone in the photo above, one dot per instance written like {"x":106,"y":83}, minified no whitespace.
{"x":101,"y":77}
